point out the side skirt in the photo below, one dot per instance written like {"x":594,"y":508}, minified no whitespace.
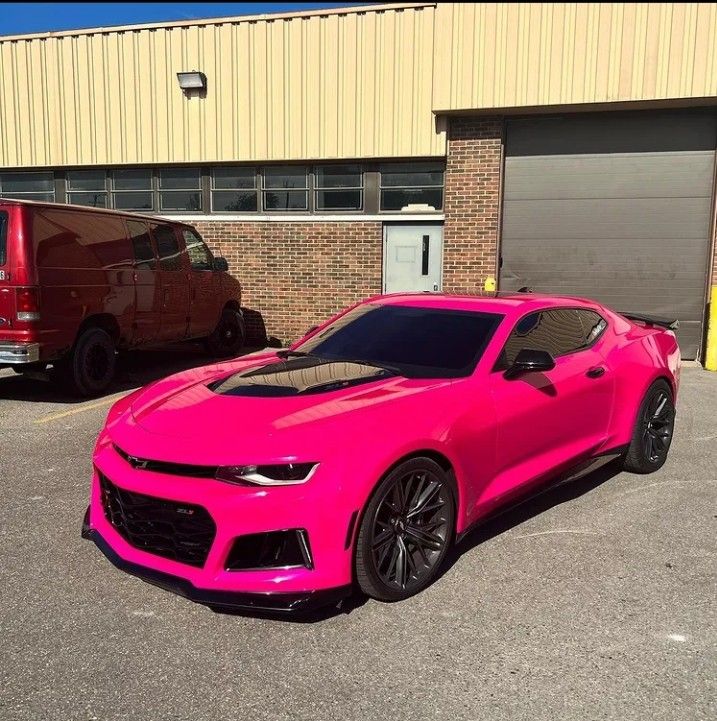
{"x":577,"y":471}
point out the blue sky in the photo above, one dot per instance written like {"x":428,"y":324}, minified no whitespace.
{"x":16,"y":18}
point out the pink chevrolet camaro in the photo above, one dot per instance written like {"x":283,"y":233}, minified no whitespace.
{"x":281,"y":480}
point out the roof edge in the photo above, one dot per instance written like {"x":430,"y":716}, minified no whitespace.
{"x":230,"y":19}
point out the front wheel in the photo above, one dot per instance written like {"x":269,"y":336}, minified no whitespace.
{"x":406,"y":531}
{"x":653,"y":431}
{"x":228,"y":337}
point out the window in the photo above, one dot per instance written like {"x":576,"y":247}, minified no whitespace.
{"x":418,"y":342}
{"x":286,"y":188}
{"x":200,"y":256}
{"x":556,"y":331}
{"x":3,"y":238}
{"x":167,"y":247}
{"x":404,"y":184}
{"x":338,"y":187}
{"x":180,"y":189}
{"x":28,"y":186}
{"x":132,"y":189}
{"x":87,"y":187}
{"x":141,"y":245}
{"x":234,"y":190}
{"x":593,"y":326}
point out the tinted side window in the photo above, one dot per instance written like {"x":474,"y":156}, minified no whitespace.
{"x":556,"y":331}
{"x":167,"y":247}
{"x":593,"y":326}
{"x":199,"y":255}
{"x":141,"y":245}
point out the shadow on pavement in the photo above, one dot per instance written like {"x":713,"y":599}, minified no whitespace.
{"x":134,"y":369}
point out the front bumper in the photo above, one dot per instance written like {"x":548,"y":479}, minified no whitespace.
{"x":279,"y":603}
{"x":19,"y":353}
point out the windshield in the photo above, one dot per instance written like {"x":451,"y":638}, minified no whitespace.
{"x":3,"y":238}
{"x":419,"y":342}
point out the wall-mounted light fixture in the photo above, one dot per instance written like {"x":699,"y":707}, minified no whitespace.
{"x":193,"y":81}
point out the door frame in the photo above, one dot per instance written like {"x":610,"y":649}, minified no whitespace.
{"x":421,"y":223}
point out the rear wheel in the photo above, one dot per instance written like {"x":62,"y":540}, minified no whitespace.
{"x":653,"y":432}
{"x":89,"y":368}
{"x":406,"y":531}
{"x":228,"y":337}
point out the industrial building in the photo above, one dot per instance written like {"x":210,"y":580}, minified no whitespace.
{"x":335,"y":154}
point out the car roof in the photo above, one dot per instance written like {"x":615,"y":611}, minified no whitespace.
{"x":505,"y":303}
{"x":89,"y":209}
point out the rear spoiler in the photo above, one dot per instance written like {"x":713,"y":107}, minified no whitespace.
{"x":653,"y":320}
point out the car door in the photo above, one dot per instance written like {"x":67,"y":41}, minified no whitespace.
{"x":548,"y":421}
{"x":205,"y":292}
{"x":174,"y":277}
{"x":147,"y":284}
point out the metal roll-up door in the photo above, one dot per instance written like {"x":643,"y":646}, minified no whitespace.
{"x":616,"y":207}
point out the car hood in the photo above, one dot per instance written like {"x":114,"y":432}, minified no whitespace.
{"x":263,"y":409}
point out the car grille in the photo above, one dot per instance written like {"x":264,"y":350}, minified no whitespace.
{"x":180,"y":531}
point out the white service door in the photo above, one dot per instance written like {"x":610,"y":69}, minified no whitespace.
{"x":412,"y":258}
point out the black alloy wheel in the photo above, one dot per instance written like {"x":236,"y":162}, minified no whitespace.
{"x":228,"y":337}
{"x":406,"y":531}
{"x":653,"y":432}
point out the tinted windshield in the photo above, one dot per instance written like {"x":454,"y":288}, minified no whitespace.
{"x":420,"y":342}
{"x":3,"y":238}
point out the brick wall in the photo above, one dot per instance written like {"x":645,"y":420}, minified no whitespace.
{"x":297,"y":274}
{"x":472,"y":203}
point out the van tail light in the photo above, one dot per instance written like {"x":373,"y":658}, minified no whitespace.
{"x":27,"y":303}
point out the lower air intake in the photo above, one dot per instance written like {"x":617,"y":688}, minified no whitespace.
{"x":179,"y":531}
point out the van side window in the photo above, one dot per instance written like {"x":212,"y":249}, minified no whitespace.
{"x":167,"y":247}
{"x":557,"y":331}
{"x":199,"y":255}
{"x":141,"y":245}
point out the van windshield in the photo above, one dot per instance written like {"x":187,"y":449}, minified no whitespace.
{"x":3,"y":238}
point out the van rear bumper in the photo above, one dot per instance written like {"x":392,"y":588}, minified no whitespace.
{"x":17,"y":353}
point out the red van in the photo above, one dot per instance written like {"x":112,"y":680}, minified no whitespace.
{"x":77,"y":284}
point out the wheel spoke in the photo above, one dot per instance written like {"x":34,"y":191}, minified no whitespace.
{"x":381,"y":539}
{"x":424,"y":538}
{"x":660,"y":406}
{"x":419,"y":506}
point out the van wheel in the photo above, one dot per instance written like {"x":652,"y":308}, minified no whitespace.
{"x":228,"y":337}
{"x":90,"y":366}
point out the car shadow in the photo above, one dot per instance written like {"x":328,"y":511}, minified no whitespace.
{"x":134,"y":369}
{"x":490,"y":528}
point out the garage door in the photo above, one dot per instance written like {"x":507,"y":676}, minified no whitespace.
{"x":613,"y":207}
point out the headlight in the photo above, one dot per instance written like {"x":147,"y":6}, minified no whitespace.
{"x":282,"y":474}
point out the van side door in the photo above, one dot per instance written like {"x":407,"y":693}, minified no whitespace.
{"x":174,"y":276}
{"x":148,"y":288}
{"x":206,"y":297}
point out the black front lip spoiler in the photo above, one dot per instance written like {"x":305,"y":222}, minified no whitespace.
{"x":271,"y":603}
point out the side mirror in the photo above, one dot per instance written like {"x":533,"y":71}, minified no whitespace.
{"x":530,"y":361}
{"x":221,"y":265}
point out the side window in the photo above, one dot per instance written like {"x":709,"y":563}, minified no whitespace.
{"x":167,"y":247}
{"x":199,"y":255}
{"x":593,"y":326}
{"x":556,"y":331}
{"x":141,"y":245}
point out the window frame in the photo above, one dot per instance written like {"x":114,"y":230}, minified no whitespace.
{"x":69,"y":191}
{"x":257,"y":190}
{"x":316,"y":189}
{"x":308,"y":176}
{"x":152,"y":190}
{"x":385,"y":168}
{"x":181,"y":249}
{"x":184,"y":230}
{"x":498,"y":366}
{"x":30,"y":194}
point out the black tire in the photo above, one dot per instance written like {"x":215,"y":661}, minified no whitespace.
{"x":406,"y":531}
{"x":654,"y":428}
{"x":89,"y":368}
{"x":229,"y":335}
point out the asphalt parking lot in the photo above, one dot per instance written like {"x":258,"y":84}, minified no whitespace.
{"x":597,"y":601}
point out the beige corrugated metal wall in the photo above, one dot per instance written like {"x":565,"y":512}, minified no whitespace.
{"x":322,"y":86}
{"x":511,"y":55}
{"x":355,"y":83}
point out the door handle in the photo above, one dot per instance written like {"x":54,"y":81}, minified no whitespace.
{"x":595,"y":372}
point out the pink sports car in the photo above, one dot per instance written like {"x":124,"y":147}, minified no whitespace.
{"x":282,"y":480}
